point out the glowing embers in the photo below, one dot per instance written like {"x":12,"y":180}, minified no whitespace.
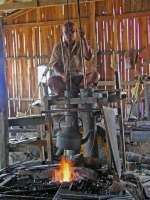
{"x":65,"y":171}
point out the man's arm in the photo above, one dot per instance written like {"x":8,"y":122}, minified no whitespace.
{"x":59,"y":72}
{"x":57,"y":69}
{"x":86,"y":49}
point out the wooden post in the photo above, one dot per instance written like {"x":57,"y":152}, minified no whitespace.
{"x":41,"y":148}
{"x":92,"y":24}
{"x":4,"y":135}
{"x":120,"y":115}
{"x":147,"y":100}
{"x":49,"y":137}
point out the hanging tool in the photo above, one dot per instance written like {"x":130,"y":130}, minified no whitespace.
{"x":82,"y":56}
{"x":113,"y":62}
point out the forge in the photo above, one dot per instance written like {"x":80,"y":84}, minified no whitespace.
{"x":82,"y":127}
{"x":31,"y":180}
{"x":71,"y":178}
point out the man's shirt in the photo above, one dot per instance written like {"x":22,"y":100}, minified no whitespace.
{"x":68,"y":62}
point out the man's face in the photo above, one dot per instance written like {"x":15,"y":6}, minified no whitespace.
{"x":69,"y":33}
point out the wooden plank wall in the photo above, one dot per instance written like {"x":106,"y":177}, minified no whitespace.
{"x":26,"y":44}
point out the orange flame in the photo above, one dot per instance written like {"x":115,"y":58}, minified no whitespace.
{"x":65,"y":172}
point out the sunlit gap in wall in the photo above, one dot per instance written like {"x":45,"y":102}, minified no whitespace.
{"x":41,"y":78}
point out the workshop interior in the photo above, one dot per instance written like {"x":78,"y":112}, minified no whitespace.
{"x":87,"y":142}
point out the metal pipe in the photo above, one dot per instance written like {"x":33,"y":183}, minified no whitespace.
{"x":90,"y":147}
{"x":70,"y":119}
{"x":82,"y":56}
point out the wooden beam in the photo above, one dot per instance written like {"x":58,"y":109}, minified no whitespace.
{"x":38,"y":3}
{"x":111,"y":83}
{"x":59,"y":2}
{"x":16,"y":6}
{"x":15,"y":14}
{"x":4,"y":135}
{"x":26,"y":57}
{"x":27,"y":120}
{"x":123,"y":16}
{"x":19,"y":149}
{"x":21,"y":99}
{"x":37,"y":143}
{"x":36,"y":24}
{"x":84,"y":20}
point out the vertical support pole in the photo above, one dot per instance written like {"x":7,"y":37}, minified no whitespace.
{"x":147,"y":100}
{"x":93,"y":34}
{"x":49,"y":137}
{"x":4,"y":135}
{"x":41,"y":148}
{"x":48,"y":129}
{"x":120,"y":115}
{"x":138,"y":105}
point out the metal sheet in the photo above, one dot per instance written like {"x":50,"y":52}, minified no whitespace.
{"x":111,"y":127}
{"x":140,"y":136}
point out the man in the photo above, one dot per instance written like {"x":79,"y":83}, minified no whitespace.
{"x":68,"y":65}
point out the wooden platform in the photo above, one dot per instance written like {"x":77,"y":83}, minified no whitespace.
{"x":27,"y":120}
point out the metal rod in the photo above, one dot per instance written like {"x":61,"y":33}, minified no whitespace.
{"x":70,"y":83}
{"x":63,"y":57}
{"x":82,"y":56}
{"x":72,"y":110}
{"x":62,"y":52}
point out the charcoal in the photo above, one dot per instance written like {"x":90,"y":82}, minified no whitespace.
{"x":85,"y":185}
{"x":29,"y":186}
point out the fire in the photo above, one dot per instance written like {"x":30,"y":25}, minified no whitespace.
{"x":65,"y":172}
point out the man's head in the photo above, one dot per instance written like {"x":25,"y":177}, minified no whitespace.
{"x":69,"y":32}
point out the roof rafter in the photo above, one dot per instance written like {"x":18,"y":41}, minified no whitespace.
{"x":37,"y":3}
{"x":16,"y":14}
{"x":85,"y":19}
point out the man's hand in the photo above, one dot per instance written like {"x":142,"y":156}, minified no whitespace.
{"x":57,"y":69}
{"x":64,"y":78}
{"x":81,"y":32}
{"x":86,"y":49}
